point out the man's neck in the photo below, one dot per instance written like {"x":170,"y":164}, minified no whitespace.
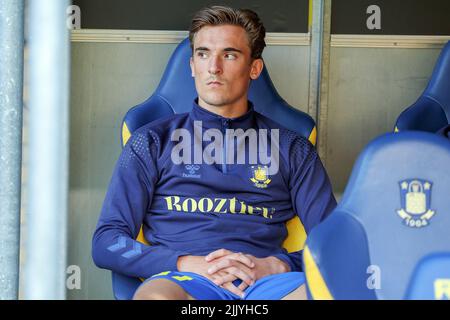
{"x":228,"y":111}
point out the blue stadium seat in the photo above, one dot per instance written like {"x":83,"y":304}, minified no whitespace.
{"x":389,"y":236}
{"x":175,"y":94}
{"x":431,"y":111}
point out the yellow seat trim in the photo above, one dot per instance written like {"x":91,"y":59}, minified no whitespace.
{"x":140,"y":238}
{"x":316,"y":284}
{"x":125,"y":134}
{"x":313,"y":136}
{"x":295,"y":241}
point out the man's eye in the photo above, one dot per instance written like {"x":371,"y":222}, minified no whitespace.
{"x":230,"y":56}
{"x":202,"y":55}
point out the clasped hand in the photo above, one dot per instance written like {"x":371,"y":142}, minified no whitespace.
{"x":224,"y":266}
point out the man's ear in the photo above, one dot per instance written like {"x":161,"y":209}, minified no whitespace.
{"x":191,"y":63}
{"x":257,"y":67}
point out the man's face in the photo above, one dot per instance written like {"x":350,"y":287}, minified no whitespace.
{"x":222,"y":65}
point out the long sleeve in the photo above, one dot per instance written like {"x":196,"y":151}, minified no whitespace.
{"x":311,"y":193}
{"x":127,"y":201}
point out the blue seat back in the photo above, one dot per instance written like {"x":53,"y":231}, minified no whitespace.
{"x":371,"y":246}
{"x":431,"y":278}
{"x":432,"y":110}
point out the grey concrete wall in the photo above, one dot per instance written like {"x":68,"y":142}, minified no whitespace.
{"x":368,"y":89}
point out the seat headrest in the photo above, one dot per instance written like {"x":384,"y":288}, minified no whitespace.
{"x":438,"y":88}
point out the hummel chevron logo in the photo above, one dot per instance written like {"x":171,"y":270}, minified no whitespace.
{"x":135,"y":252}
{"x":121,"y":243}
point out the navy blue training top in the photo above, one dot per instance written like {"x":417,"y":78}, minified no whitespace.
{"x":194,"y":209}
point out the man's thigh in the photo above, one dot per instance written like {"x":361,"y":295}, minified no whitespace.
{"x":297,"y":294}
{"x":286,"y":285}
{"x":161,"y":289}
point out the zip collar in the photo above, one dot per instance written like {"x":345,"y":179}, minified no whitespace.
{"x":213,"y":120}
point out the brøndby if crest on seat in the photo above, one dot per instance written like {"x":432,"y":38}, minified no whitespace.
{"x":415,"y":195}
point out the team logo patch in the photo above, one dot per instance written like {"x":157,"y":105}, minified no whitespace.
{"x":260,"y":176}
{"x":415,"y":197}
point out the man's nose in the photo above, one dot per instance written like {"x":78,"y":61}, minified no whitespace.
{"x":215,"y":65}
